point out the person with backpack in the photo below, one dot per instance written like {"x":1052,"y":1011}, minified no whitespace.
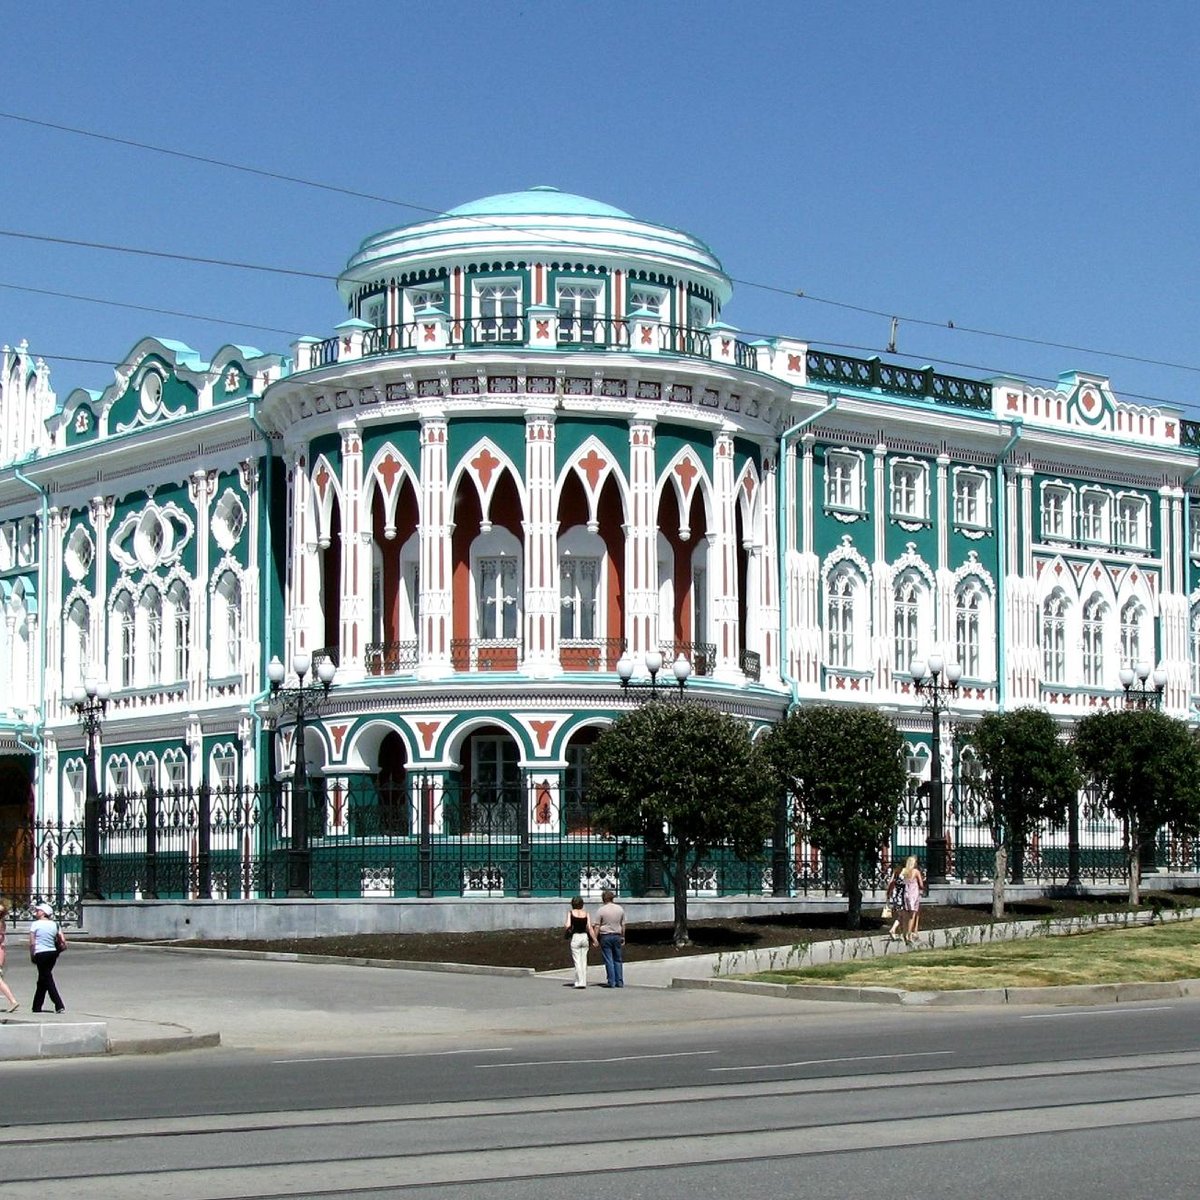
{"x":46,"y":942}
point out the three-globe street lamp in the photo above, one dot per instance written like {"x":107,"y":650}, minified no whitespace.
{"x":935,"y":680}
{"x":1141,"y":695}
{"x":304,"y":700}
{"x":89,"y":702}
{"x":680,"y":668}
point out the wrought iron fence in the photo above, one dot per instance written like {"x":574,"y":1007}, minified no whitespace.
{"x":437,"y":837}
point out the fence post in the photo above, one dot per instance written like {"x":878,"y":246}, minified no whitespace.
{"x":524,"y":840}
{"x":1073,"y":856}
{"x":780,"y":874}
{"x":150,"y":883}
{"x":425,"y":838}
{"x":204,"y":847}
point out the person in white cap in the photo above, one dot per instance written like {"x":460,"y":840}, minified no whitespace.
{"x":46,"y":943}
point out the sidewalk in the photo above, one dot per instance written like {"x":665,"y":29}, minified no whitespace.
{"x":143,"y":999}
{"x":134,"y":999}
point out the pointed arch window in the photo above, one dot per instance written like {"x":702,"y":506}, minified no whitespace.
{"x":153,"y":616}
{"x":909,"y":602}
{"x":842,"y":611}
{"x":126,"y":631}
{"x":77,"y":641}
{"x":1095,"y":616}
{"x":227,"y":625}
{"x":1132,"y":618}
{"x":179,"y":601}
{"x":1054,"y":637}
{"x":969,"y":602}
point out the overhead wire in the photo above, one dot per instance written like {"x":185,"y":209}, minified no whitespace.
{"x":208,"y":160}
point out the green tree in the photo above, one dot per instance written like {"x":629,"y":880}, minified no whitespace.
{"x":685,"y":778}
{"x":1030,"y":776}
{"x":1146,"y":768}
{"x":844,"y":771}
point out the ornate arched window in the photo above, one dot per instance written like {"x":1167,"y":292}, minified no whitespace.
{"x":1054,"y":637}
{"x":910,"y":596}
{"x":969,"y":602}
{"x":844,"y":601}
{"x":1095,"y":616}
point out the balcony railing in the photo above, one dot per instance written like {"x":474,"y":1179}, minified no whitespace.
{"x":590,"y":654}
{"x":485,"y":654}
{"x":701,"y":655}
{"x":391,"y":658}
{"x":439,"y":332}
{"x":922,"y":382}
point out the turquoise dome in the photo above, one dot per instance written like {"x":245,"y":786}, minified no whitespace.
{"x":539,"y":201}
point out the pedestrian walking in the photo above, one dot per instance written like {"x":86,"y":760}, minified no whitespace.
{"x":610,"y":924}
{"x":5,"y":990}
{"x":581,"y":933}
{"x":46,"y":943}
{"x":893,"y":904}
{"x":914,"y":883}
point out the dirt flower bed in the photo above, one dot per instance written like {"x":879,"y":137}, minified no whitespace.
{"x":545,"y":949}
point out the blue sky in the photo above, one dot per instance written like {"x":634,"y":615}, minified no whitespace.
{"x":1023,"y":168}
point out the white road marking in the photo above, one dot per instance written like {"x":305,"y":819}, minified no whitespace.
{"x":275,"y":1062}
{"x":1096,"y":1012}
{"x":571,"y":1062}
{"x":820,"y":1062}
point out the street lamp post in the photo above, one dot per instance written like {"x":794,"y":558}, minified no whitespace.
{"x":304,"y":700}
{"x":935,"y":680}
{"x":681,"y":669}
{"x":1141,"y":695}
{"x":89,"y":702}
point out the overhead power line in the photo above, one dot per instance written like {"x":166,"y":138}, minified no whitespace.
{"x":355,"y":193}
{"x":167,"y":312}
{"x":894,"y":318}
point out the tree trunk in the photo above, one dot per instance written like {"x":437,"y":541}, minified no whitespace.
{"x":998,"y":875}
{"x":1019,"y":843}
{"x":853,"y":880}
{"x":680,"y":882}
{"x":1134,"y":846}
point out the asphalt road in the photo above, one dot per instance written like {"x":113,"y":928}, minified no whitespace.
{"x":541,"y":1092}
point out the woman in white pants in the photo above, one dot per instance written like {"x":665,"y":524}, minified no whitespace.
{"x":581,"y":933}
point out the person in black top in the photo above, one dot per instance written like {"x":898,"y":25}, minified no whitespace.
{"x":581,"y":933}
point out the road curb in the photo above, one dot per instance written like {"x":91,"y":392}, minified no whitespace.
{"x":165,"y":1045}
{"x":393,"y":964}
{"x":1076,"y":995}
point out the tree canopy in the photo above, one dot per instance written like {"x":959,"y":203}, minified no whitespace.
{"x":1146,"y":768}
{"x":845,"y":773}
{"x":686,"y":778}
{"x":1030,"y":777}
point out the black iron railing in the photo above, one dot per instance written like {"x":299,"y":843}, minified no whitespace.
{"x":701,"y":655}
{"x":391,"y":658}
{"x":485,"y":654}
{"x":751,"y":663}
{"x":921,"y":382}
{"x":438,"y":835}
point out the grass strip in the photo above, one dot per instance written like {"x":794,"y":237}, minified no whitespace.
{"x":1146,"y":954}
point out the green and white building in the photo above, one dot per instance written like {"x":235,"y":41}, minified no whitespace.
{"x":530,"y":448}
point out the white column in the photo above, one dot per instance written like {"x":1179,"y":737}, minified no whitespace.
{"x":435,"y":563}
{"x":541,"y":548}
{"x":354,"y":604}
{"x":723,"y":573}
{"x":641,"y":542}
{"x":881,"y":584}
